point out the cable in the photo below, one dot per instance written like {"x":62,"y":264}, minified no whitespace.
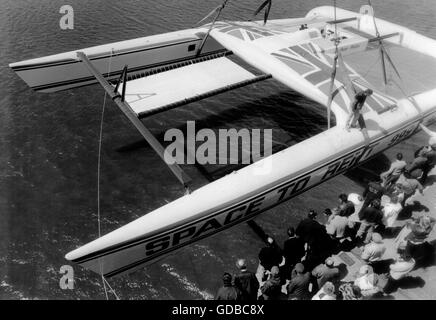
{"x":98,"y":183}
{"x":385,"y":52}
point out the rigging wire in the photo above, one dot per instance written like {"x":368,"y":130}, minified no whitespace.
{"x":333,"y":75}
{"x":384,"y":51}
{"x":103,"y":279}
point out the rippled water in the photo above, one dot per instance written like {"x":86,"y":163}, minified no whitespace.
{"x":48,"y":149}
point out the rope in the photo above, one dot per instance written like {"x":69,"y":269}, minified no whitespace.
{"x":112,"y":290}
{"x":98,"y":185}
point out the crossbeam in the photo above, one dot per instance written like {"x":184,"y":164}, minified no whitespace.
{"x":131,"y":115}
{"x":341,"y":20}
{"x":379,"y":38}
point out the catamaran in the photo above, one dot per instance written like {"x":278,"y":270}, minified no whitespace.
{"x":329,"y":56}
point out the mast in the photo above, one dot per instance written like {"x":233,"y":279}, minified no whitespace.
{"x":218,"y":9}
{"x":384,"y":54}
{"x":382,"y":51}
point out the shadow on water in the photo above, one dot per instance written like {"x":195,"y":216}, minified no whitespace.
{"x":370,"y":170}
{"x":285,"y":112}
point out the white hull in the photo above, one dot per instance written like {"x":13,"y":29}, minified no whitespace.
{"x":244,"y":194}
{"x":64,"y":71}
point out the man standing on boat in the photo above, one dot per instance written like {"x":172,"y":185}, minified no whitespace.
{"x":356,"y":107}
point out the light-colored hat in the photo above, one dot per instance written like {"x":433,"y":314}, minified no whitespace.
{"x":377,"y":238}
{"x":299,"y":267}
{"x":275,"y":270}
{"x":425,"y":222}
{"x":355,"y":198}
{"x":329,"y":262}
{"x":365,"y":269}
{"x":241,"y":264}
{"x":329,"y":288}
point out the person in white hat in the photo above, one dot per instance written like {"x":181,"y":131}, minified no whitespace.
{"x":367,"y":281}
{"x":374,"y":250}
{"x":327,"y":292}
{"x":325,"y":272}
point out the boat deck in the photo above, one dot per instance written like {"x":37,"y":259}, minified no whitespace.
{"x":417,"y":70}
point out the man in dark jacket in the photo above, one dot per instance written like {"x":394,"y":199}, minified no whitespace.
{"x":298,"y":287}
{"x":269,"y":256}
{"x":373,"y":191}
{"x":272,"y":288}
{"x":309,"y":228}
{"x":293,"y":251}
{"x":325,"y":272}
{"x":370,"y":218}
{"x":315,"y":235}
{"x":228,"y":291}
{"x":419,"y":164}
{"x":246,"y":281}
{"x":346,"y":208}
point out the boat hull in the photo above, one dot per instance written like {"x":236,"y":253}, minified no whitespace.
{"x":64,"y":71}
{"x":181,"y":223}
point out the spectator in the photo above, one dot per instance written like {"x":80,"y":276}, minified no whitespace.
{"x":373,"y":191}
{"x":416,"y":240}
{"x":374,"y":250}
{"x":399,"y":270}
{"x":391,"y":211}
{"x":325,"y":272}
{"x":327,"y":292}
{"x":430,"y":154}
{"x":319,"y":243}
{"x":246,"y":281}
{"x":269,"y":256}
{"x":432,"y":136}
{"x":298,"y":287}
{"x":357,"y":201}
{"x":420,"y":229}
{"x":293,"y":251}
{"x":409,"y":185}
{"x":419,"y":164}
{"x":272,"y":288}
{"x":337,"y":225}
{"x":321,"y":247}
{"x":228,"y":291}
{"x":394,"y":172}
{"x":309,"y":228}
{"x":349,"y":291}
{"x":370,"y":218}
{"x":346,"y":207}
{"x":367,"y":281}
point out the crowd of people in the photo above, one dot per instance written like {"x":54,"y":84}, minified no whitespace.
{"x":304,"y":267}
